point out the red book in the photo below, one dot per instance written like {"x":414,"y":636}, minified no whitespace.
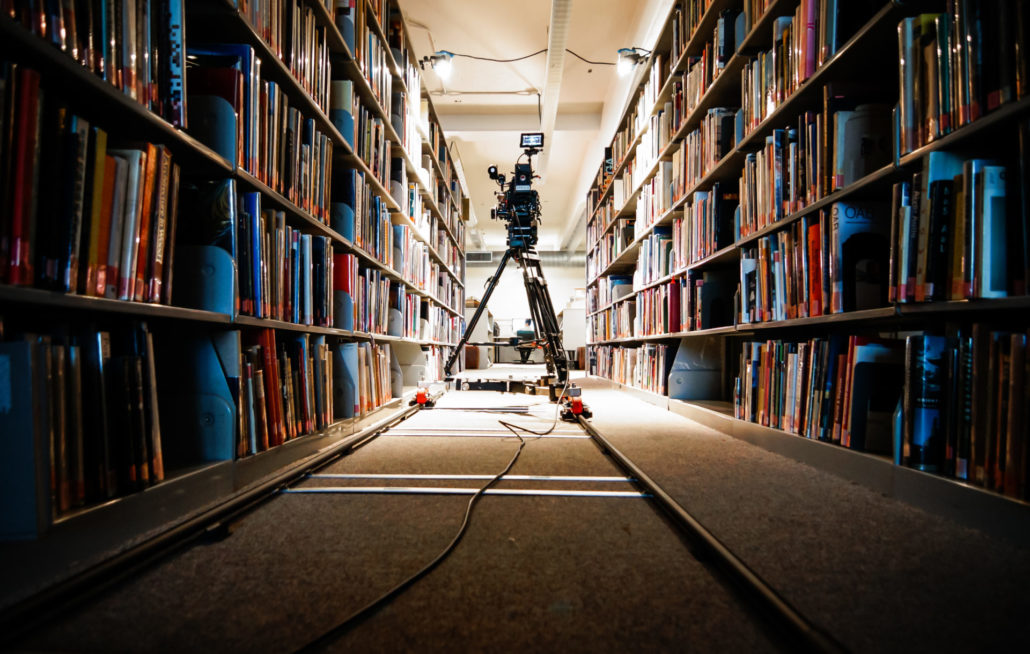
{"x":815,"y":275}
{"x":674,"y":306}
{"x":273,"y":385}
{"x":26,"y":162}
{"x":96,"y":273}
{"x":149,"y":184}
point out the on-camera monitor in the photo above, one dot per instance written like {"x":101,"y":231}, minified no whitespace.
{"x":532,"y":140}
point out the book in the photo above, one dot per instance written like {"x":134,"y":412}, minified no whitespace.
{"x":24,"y":419}
{"x":925,"y":375}
{"x":859,"y":256}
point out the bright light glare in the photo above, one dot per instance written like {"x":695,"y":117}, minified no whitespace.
{"x":443,"y":67}
{"x":624,"y":66}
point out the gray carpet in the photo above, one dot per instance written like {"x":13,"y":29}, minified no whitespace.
{"x":532,"y":574}
{"x":881,"y":575}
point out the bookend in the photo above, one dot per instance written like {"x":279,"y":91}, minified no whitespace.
{"x":205,"y":278}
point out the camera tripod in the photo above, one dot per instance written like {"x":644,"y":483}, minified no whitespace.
{"x":545,"y":323}
{"x":519,"y":205}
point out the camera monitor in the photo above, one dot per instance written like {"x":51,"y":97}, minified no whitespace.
{"x":532,"y":140}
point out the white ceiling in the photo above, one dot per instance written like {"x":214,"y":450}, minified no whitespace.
{"x":484,"y":106}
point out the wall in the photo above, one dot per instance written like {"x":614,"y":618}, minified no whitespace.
{"x":509,"y":298}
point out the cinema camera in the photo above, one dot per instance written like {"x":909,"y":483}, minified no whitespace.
{"x":519,"y":204}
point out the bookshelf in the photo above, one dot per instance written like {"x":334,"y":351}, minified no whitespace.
{"x":345,"y":323}
{"x":720,"y":207}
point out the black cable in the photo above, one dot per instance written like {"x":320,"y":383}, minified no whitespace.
{"x":595,"y":63}
{"x":499,"y":61}
{"x":538,"y":52}
{"x":343,"y":627}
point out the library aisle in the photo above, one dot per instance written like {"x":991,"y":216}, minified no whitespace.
{"x":879,"y":574}
{"x":532,"y":573}
{"x":570,"y":573}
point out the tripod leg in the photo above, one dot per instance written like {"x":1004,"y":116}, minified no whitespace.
{"x":544,"y":320}
{"x":475,"y":317}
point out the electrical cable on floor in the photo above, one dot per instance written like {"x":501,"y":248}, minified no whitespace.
{"x":343,"y":627}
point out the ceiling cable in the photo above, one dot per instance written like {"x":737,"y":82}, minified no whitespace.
{"x":534,"y":54}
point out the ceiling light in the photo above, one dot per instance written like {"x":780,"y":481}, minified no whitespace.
{"x":441,"y":63}
{"x":629,"y":58}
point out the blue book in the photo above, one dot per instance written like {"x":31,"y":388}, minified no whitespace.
{"x":295,"y":266}
{"x":24,"y":448}
{"x":252,"y":203}
{"x":173,"y":60}
{"x":306,"y":290}
{"x":345,"y":381}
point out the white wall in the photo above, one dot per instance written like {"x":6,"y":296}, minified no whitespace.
{"x":509,"y":298}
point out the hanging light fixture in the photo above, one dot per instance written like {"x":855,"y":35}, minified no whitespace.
{"x":629,"y":58}
{"x":441,"y":63}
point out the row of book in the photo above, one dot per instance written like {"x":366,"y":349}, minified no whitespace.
{"x":956,"y":232}
{"x":826,"y":151}
{"x":686,"y":17}
{"x":362,"y":129}
{"x":136,"y":45}
{"x":285,"y":388}
{"x":250,"y":121}
{"x":608,"y":289}
{"x":599,"y":222}
{"x":614,"y":322}
{"x":451,"y":254}
{"x":706,"y":226}
{"x":801,"y":43}
{"x":953,"y":403}
{"x":964,"y":63}
{"x":82,"y":424}
{"x":656,"y":258}
{"x":283,"y":273}
{"x":610,"y":246}
{"x":614,"y":155}
{"x":291,"y":31}
{"x":765,"y":83}
{"x":690,"y":302}
{"x":105,"y":228}
{"x":831,"y":262}
{"x":702,"y":69}
{"x":656,"y":195}
{"x":642,"y":367}
{"x":839,"y":389}
{"x":698,"y":153}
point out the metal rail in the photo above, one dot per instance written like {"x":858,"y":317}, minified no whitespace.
{"x":45,"y":605}
{"x":788,"y":622}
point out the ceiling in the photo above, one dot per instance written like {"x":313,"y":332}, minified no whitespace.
{"x":484,"y":106}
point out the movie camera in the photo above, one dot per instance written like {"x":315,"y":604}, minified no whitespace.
{"x":519,"y":204}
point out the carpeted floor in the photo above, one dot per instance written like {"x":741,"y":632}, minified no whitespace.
{"x":532,"y":574}
{"x":881,"y":575}
{"x":573,"y":574}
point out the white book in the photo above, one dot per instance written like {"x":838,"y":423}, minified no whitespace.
{"x":114,"y":243}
